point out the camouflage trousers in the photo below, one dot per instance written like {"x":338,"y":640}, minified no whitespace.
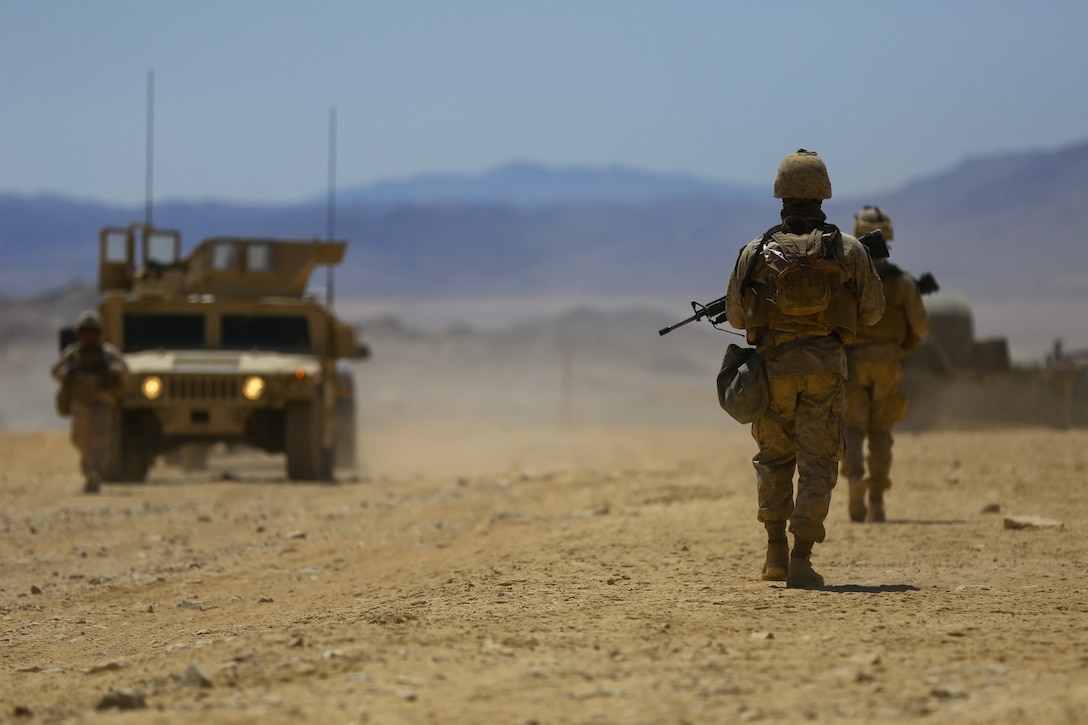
{"x":874,"y":403}
{"x":813,"y":406}
{"x":92,"y":434}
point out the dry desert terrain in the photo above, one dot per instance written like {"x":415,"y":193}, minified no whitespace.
{"x":541,"y":573}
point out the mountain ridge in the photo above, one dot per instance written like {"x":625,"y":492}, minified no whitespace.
{"x":1000,"y":227}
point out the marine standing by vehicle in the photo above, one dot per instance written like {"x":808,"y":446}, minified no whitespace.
{"x":91,"y":374}
{"x":875,"y":400}
{"x":800,"y":291}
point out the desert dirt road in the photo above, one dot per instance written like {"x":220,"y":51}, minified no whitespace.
{"x":542,"y":574}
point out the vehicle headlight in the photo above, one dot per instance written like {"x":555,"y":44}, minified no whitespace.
{"x":253,"y":387}
{"x":151,"y":387}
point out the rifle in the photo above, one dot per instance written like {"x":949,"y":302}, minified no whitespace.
{"x":714,"y":310}
{"x":874,"y":241}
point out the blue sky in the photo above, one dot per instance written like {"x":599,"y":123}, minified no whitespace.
{"x":887,"y":92}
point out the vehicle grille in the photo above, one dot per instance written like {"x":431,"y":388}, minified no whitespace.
{"x":204,"y":387}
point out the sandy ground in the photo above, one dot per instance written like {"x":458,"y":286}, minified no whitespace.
{"x":542,"y":574}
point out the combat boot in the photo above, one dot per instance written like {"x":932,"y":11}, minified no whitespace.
{"x":876,"y":507}
{"x":858,"y":488}
{"x":802,"y":575}
{"x":776,"y":565}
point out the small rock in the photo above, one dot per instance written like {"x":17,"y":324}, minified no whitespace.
{"x":124,"y":699}
{"x":295,"y":535}
{"x":264,"y":599}
{"x":23,"y":711}
{"x":104,"y":667}
{"x":947,"y":692}
{"x":295,"y":642}
{"x":762,"y":635}
{"x":35,"y":589}
{"x":190,"y":604}
{"x":1032,"y":522}
{"x":509,"y":516}
{"x":194,"y":677}
{"x":408,"y":695}
{"x":991,"y":508}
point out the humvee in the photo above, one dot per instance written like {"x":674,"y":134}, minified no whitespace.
{"x":954,"y":377}
{"x":225,"y":345}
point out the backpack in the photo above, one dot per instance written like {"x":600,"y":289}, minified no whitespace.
{"x":805,"y":268}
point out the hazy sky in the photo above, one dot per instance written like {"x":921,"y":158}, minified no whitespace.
{"x":885,"y":91}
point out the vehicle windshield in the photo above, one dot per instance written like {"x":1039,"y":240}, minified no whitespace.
{"x":266,"y":332}
{"x":167,"y":331}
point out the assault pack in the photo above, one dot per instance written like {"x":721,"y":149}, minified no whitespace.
{"x":805,"y":268}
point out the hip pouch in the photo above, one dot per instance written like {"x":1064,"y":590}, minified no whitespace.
{"x":742,"y":384}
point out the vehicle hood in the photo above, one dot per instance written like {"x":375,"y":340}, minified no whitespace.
{"x":220,"y":362}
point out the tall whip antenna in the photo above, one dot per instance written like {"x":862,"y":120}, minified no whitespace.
{"x":150,"y":150}
{"x":330,"y":222}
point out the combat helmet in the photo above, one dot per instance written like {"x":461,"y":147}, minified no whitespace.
{"x":88,"y":320}
{"x":871,"y":218}
{"x":802,"y":175}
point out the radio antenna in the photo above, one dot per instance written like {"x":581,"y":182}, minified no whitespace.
{"x":150,"y":149}
{"x":330,"y":221}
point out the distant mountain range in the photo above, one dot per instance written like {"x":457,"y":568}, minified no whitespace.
{"x":1005,"y":227}
{"x":527,"y":183}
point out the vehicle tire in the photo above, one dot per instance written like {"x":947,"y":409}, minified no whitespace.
{"x":128,"y":463}
{"x":129,"y":460}
{"x":134,"y":466}
{"x":345,"y":434}
{"x":307,"y":459}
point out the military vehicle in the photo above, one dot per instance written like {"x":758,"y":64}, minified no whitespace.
{"x":953,"y":377}
{"x":225,"y":345}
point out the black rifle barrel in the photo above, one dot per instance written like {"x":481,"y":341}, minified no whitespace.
{"x":670,"y":328}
